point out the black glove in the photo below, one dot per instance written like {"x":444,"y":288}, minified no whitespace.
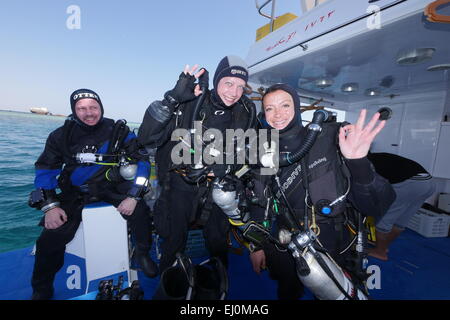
{"x":183,"y":90}
{"x":203,"y":81}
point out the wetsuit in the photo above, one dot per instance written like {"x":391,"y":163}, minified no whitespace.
{"x":183,"y":204}
{"x":81,"y":184}
{"x":369,"y":193}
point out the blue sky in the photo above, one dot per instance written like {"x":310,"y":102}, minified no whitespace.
{"x":129,"y":52}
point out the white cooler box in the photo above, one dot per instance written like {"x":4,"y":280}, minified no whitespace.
{"x":429,"y":224}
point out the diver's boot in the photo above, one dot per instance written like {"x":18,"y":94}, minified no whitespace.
{"x":148,"y":266}
{"x":46,"y":294}
{"x":42,"y":281}
{"x":178,"y":281}
{"x":211,"y":280}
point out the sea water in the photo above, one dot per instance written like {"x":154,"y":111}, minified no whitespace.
{"x":22,"y":140}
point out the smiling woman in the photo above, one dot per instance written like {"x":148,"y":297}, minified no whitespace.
{"x":324,"y":168}
{"x":281,"y":105}
{"x":230,"y":90}
{"x":279,"y":109}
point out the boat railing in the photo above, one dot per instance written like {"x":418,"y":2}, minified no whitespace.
{"x":310,"y":4}
{"x":275,"y":22}
{"x":272,"y":12}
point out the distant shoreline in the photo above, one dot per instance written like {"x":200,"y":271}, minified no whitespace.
{"x":40,"y":114}
{"x":134,"y":124}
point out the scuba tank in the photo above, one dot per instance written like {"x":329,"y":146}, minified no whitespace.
{"x":226,"y":198}
{"x":128,"y":171}
{"x":320,"y":273}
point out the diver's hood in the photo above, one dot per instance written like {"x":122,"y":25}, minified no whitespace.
{"x":85,"y":94}
{"x":297,"y":119}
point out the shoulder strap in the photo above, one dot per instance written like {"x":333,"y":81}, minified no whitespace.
{"x":67,"y":132}
{"x":119,"y":133}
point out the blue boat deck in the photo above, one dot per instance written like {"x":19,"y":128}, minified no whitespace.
{"x":417,"y":269}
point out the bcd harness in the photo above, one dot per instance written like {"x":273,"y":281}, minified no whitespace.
{"x":121,"y":168}
{"x":301,"y":240}
{"x":197,"y":173}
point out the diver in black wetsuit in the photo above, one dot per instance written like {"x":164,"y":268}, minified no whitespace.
{"x":67,"y":154}
{"x":185,"y":198}
{"x":331,"y":189}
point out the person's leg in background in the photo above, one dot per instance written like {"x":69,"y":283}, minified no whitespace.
{"x":411,"y":194}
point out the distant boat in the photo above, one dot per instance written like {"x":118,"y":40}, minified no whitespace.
{"x":40,"y":110}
